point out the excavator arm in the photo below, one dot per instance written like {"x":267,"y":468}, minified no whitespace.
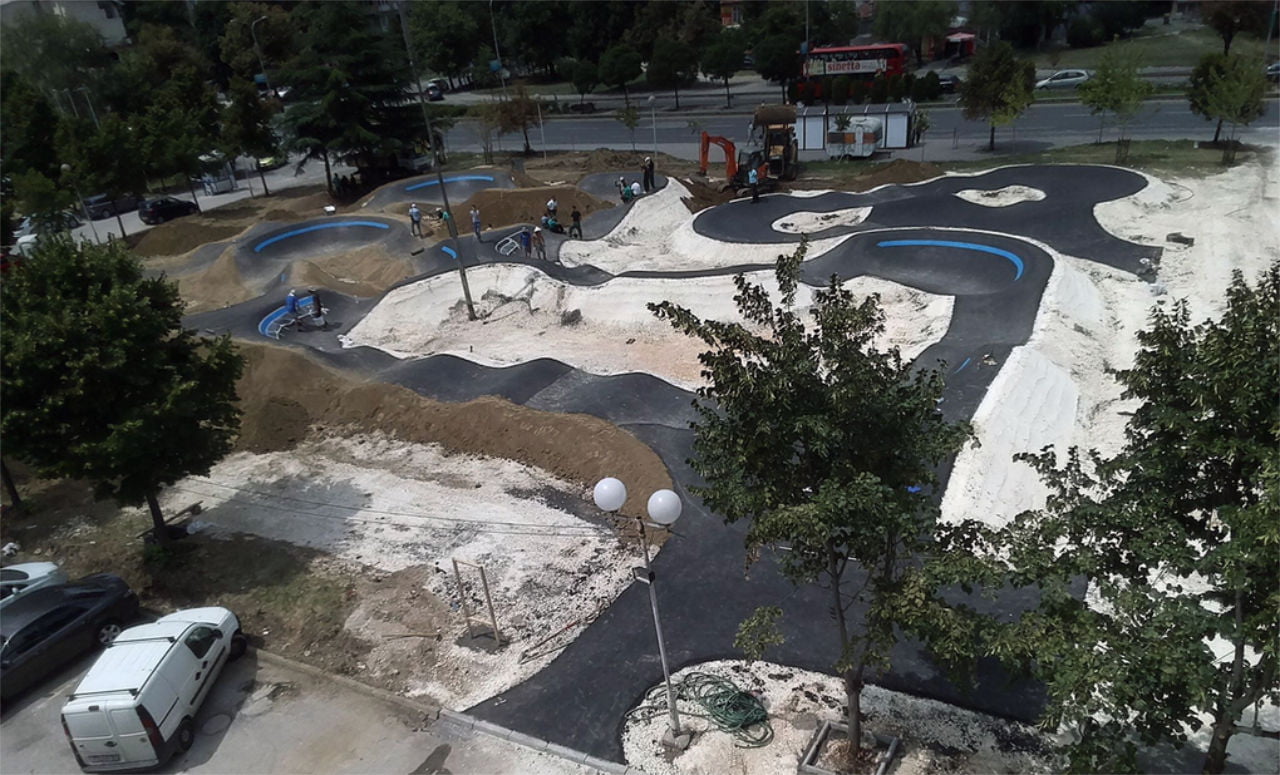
{"x":730,"y":154}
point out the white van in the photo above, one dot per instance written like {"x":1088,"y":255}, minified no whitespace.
{"x":136,"y":706}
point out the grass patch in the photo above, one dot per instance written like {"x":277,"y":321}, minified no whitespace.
{"x":1156,"y":46}
{"x":1174,"y":157}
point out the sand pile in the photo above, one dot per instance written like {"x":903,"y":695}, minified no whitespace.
{"x":179,"y":237}
{"x":284,"y":393}
{"x":1001,"y":197}
{"x":220,"y":285}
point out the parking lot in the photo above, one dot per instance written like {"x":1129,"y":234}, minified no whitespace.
{"x":267,"y":717}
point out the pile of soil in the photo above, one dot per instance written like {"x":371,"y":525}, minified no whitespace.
{"x":178,"y":237}
{"x":704,"y":194}
{"x":898,"y":171}
{"x":286,"y":394}
{"x":506,"y":206}
{"x":218,"y":286}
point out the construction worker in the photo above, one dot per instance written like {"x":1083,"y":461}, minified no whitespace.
{"x":539,"y":243}
{"x":753,"y":179}
{"x":415,"y":220}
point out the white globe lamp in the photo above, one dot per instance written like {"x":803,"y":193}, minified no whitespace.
{"x":609,"y":494}
{"x":664,"y":507}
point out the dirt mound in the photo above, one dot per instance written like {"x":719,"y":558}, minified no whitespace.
{"x":221,"y":285}
{"x":704,"y":194}
{"x":505,"y":206}
{"x":897,"y":171}
{"x":178,"y":237}
{"x":285,"y":393}
{"x":604,"y":160}
{"x":364,"y":272}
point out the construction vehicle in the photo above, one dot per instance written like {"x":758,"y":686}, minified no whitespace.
{"x":771,"y":151}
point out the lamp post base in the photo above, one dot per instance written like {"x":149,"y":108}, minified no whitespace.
{"x":677,"y":742}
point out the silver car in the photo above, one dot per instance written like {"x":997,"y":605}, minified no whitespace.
{"x":18,"y":580}
{"x":1064,"y":79}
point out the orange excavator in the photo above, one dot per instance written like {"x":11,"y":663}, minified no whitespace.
{"x":774,"y":152}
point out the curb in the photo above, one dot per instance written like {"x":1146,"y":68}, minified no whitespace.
{"x":472,"y":724}
{"x":432,"y":712}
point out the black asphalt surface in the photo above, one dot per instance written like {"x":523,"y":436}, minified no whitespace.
{"x":425,"y":188}
{"x":580,"y":699}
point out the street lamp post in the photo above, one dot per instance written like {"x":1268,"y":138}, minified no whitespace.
{"x":653,"y":119}
{"x":66,"y":170}
{"x":89,"y":101}
{"x":664,"y":509}
{"x":435,"y":152}
{"x":261,"y":64}
{"x":497,"y":53}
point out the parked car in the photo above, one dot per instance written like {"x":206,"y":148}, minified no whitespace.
{"x":1064,"y":79}
{"x":1273,"y":71}
{"x":101,"y":206}
{"x":166,"y":208}
{"x":45,"y":630}
{"x":27,"y":235}
{"x":440,"y":83}
{"x":272,"y":162}
{"x":950,"y":83}
{"x":136,"y":706}
{"x":434,"y":93}
{"x":18,"y":580}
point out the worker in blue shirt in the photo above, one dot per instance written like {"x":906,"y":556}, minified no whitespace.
{"x":753,"y":178}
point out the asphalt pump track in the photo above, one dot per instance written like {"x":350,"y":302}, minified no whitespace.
{"x":920,"y":235}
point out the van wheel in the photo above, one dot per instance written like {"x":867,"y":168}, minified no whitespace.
{"x":239,"y":645}
{"x":186,"y":735}
{"x":106,"y":633}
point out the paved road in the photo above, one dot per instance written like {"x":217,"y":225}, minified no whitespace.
{"x":268,"y":718}
{"x":951,"y":137}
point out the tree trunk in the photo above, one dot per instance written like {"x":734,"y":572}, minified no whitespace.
{"x":852,"y":676}
{"x":626,"y":95}
{"x":192,"y":188}
{"x":119,"y":222}
{"x":728,"y":98}
{"x":328,"y":175}
{"x":1217,"y":132}
{"x":9,"y":486}
{"x":991,"y":144}
{"x":1215,"y":760}
{"x":262,"y":176}
{"x":528,"y":149}
{"x":157,"y":520}
{"x":676,"y":90}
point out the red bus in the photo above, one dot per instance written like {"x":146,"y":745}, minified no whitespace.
{"x":857,"y":61}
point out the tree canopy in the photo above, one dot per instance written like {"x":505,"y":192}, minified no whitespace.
{"x":723,"y":59}
{"x":672,"y":65}
{"x":1233,"y":92}
{"x":1176,"y":537}
{"x":912,"y":22}
{"x":1117,"y":88}
{"x":619,"y":66}
{"x":100,"y":382}
{"x":999,"y":87}
{"x":827,"y":446}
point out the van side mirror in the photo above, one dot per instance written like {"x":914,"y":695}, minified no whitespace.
{"x":217,"y":634}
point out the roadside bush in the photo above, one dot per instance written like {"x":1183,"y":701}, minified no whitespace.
{"x":879,"y":90}
{"x":1085,"y":32}
{"x":926,"y":88}
{"x":859,"y":90}
{"x":900,"y":87}
{"x":840,"y":90}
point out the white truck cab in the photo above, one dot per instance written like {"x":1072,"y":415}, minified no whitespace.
{"x":136,"y":706}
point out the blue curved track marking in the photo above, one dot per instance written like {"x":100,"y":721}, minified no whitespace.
{"x":265,"y":326}
{"x":316,"y":227}
{"x":908,"y":243}
{"x":962,"y":366}
{"x":453,"y":179}
{"x":452,"y":253}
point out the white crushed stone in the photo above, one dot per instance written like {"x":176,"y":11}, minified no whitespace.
{"x":617,"y":334}
{"x":798,"y":701}
{"x":1001,"y":197}
{"x":390,"y":505}
{"x":657,"y":235}
{"x":804,"y":222}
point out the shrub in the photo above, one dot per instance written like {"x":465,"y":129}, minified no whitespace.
{"x":840,"y":90}
{"x":1084,"y":32}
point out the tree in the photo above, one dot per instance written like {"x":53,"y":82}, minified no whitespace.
{"x":246,"y":126}
{"x":619,"y":66}
{"x":825,"y":445}
{"x":55,"y":53}
{"x":273,"y":35}
{"x":778,"y":60}
{"x":445,"y":36}
{"x":1235,"y":95}
{"x":1176,"y":535}
{"x":1229,"y":18}
{"x":671,"y":65}
{"x":29,"y":122}
{"x":998,"y":88}
{"x":723,"y":59}
{"x":518,"y":113}
{"x":105,"y":159}
{"x":1119,"y":89}
{"x":584,"y":76}
{"x":913,"y":22}
{"x":102,"y":383}
{"x":487,"y":123}
{"x":630,"y":118}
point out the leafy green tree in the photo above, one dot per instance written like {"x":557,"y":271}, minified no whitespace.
{"x":29,"y":121}
{"x":446,"y":37}
{"x":1229,"y":18}
{"x":54,"y":52}
{"x":43,"y":198}
{"x":106,"y":159}
{"x":1200,"y":86}
{"x":532,"y":32}
{"x":913,"y":22}
{"x":999,"y":87}
{"x":1176,"y":535}
{"x":778,"y":60}
{"x":518,"y":113}
{"x":619,"y":66}
{"x":630,"y":118}
{"x":723,"y":59}
{"x":274,"y":34}
{"x":1235,"y":95}
{"x":100,"y":381}
{"x":1117,"y":88}
{"x":246,"y":126}
{"x":585,"y":76}
{"x":672,"y":64}
{"x":826,"y":445}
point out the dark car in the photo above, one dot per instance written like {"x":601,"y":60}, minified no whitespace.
{"x":165,"y":208}
{"x":49,"y":628}
{"x":950,"y":83}
{"x":434,"y":92}
{"x":102,"y":206}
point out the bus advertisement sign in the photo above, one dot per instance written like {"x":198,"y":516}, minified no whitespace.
{"x":820,"y":67}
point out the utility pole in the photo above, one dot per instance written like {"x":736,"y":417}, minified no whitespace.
{"x":435,"y":152}
{"x":496,"y":52}
{"x":261,"y":64}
